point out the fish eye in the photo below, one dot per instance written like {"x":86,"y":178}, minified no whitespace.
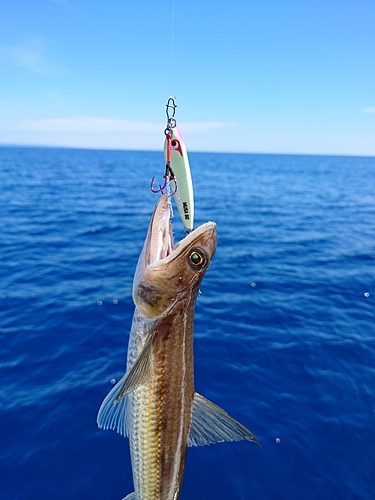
{"x":197,"y":259}
{"x":174,"y":144}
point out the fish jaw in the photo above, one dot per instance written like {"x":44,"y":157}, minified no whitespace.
{"x":166,"y":271}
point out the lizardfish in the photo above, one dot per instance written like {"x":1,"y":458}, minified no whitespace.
{"x":155,"y":404}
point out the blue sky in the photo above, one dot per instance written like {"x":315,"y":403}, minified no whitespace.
{"x":248,"y":76}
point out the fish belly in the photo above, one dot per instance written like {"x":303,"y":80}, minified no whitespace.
{"x":160,"y":414}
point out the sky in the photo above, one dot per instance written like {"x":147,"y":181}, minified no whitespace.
{"x":248,"y":76}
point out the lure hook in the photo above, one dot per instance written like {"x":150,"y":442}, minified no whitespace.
{"x":161,"y":188}
{"x":167,"y":179}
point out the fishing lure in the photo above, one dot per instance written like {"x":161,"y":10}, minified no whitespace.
{"x":177,"y":169}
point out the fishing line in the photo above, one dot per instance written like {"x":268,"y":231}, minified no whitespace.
{"x":172,"y":46}
{"x":177,"y":168}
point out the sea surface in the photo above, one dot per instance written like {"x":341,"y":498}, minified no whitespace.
{"x":284,"y":327}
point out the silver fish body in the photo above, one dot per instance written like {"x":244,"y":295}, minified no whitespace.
{"x":155,"y":404}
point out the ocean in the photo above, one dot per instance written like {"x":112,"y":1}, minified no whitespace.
{"x":284,"y":327}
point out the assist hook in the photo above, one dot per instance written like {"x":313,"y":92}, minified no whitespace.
{"x":168,"y":176}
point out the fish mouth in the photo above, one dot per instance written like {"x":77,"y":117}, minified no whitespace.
{"x":161,"y":247}
{"x":165,"y":269}
{"x":160,"y":237}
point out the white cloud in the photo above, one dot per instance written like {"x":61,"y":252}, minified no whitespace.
{"x":369,"y":110}
{"x":201,"y":126}
{"x":30,"y":55}
{"x":98,"y":132}
{"x":90,"y":124}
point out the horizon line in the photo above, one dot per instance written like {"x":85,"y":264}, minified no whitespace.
{"x":85,"y":148}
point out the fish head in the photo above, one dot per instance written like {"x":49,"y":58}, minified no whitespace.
{"x":167,"y":271}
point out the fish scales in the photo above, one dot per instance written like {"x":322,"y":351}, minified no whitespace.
{"x":163,"y":407}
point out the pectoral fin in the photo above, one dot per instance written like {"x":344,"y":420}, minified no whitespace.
{"x":140,"y":372}
{"x":114,"y":417}
{"x":131,"y":496}
{"x":211,"y":424}
{"x":113,"y":412}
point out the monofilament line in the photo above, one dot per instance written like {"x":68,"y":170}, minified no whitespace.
{"x":172,"y":45}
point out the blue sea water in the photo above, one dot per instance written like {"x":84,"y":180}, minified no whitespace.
{"x":284,"y":336}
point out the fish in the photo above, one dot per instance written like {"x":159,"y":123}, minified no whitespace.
{"x":155,"y":404}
